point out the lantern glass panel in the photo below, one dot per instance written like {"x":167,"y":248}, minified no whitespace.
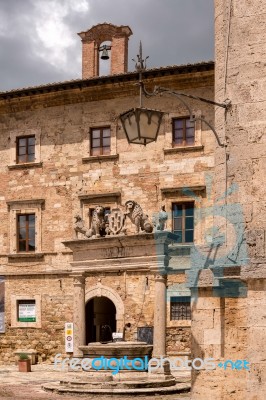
{"x":148,"y":125}
{"x":131,"y":127}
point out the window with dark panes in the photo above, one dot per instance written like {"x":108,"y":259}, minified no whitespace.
{"x":25,"y":149}
{"x":107,"y":210}
{"x":183,"y":221}
{"x":26,"y":232}
{"x":100,"y":141}
{"x":183,"y":132}
{"x":180,"y":308}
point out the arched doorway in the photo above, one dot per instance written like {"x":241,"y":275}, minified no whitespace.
{"x":100,"y":319}
{"x":96,"y":293}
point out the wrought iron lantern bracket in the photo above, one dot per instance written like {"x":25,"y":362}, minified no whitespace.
{"x":158,"y":90}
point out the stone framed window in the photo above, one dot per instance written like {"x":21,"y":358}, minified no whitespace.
{"x":183,"y":132}
{"x":183,"y":221}
{"x":25,"y":226}
{"x":26,"y":311}
{"x":180,"y":308}
{"x":100,"y":141}
{"x":195,"y":194}
{"x":181,"y":135}
{"x":25,"y":148}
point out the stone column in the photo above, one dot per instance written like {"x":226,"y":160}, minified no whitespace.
{"x":159,"y":334}
{"x":79,"y":314}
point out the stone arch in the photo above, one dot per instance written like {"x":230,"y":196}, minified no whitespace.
{"x":105,"y":31}
{"x":105,"y":291}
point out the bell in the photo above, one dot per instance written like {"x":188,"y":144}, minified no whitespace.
{"x":105,"y":55}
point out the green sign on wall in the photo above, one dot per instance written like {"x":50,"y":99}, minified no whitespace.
{"x":27,"y":311}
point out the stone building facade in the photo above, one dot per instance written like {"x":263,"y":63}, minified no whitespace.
{"x":223,"y":270}
{"x":52,"y":168}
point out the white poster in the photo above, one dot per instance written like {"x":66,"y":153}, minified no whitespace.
{"x":69,"y":339}
{"x":27,"y":311}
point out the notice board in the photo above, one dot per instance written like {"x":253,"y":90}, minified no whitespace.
{"x":145,"y":334}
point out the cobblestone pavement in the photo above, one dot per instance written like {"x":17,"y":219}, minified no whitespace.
{"x":16,"y":385}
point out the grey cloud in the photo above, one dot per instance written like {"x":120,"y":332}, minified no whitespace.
{"x":172,"y":32}
{"x":22,"y":68}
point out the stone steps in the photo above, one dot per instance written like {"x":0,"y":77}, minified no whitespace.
{"x":177,"y":388}
{"x":119,"y":385}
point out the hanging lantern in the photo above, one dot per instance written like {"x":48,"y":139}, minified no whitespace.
{"x":141,"y":125}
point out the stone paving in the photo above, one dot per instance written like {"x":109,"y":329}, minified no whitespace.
{"x":16,"y":385}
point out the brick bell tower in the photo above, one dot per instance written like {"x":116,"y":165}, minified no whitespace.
{"x":91,"y":41}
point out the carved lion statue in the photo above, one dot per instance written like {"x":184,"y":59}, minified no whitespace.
{"x":79,"y":226}
{"x":97,"y":228}
{"x":137,"y":217}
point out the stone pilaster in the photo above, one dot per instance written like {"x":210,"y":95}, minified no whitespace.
{"x":79,"y":313}
{"x":159,"y":338}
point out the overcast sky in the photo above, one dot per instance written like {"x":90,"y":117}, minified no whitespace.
{"x":39,"y":42}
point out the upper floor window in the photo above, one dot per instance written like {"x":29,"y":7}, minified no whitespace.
{"x":180,"y":308}
{"x":107,"y":210}
{"x":25,"y":149}
{"x":183,"y":132}
{"x":25,"y":232}
{"x":100,"y":141}
{"x":183,"y":221}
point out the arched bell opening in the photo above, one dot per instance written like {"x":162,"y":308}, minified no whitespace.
{"x":105,"y":58}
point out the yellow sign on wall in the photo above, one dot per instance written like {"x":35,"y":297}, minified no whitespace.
{"x":69,"y":338}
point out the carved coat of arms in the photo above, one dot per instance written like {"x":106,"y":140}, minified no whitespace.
{"x":103,"y":224}
{"x":116,"y":221}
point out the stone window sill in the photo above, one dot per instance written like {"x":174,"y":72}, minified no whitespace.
{"x":178,"y":353}
{"x":17,"y":256}
{"x":25,"y":165}
{"x":33,"y":325}
{"x":182,"y":149}
{"x":25,"y":203}
{"x":170,"y":190}
{"x":181,"y":323}
{"x":182,"y":245}
{"x":110,"y":157}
